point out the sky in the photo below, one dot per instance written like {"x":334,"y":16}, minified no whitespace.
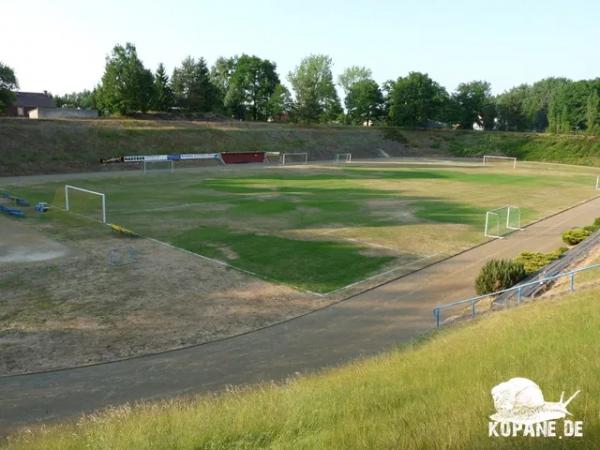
{"x":61,"y":45}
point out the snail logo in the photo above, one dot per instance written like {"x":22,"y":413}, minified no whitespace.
{"x":522,"y":410}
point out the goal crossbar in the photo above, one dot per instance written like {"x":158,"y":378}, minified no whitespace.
{"x":285,"y":155}
{"x":486,"y":158}
{"x":87,"y":191}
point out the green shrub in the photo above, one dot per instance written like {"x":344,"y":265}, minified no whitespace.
{"x":498,"y":274}
{"x":575,"y":235}
{"x":534,"y":261}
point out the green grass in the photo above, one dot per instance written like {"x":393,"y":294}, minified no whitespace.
{"x":299,"y":227}
{"x":307,"y":264}
{"x":432,"y":394}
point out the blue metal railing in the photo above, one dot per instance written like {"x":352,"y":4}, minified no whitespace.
{"x":518,"y":290}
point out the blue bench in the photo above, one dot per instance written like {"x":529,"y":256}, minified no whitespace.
{"x":13,"y":211}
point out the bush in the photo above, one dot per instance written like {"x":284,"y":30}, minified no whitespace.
{"x":534,"y":261}
{"x":575,"y":235}
{"x":498,"y":274}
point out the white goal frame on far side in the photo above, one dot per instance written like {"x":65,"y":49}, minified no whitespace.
{"x":486,"y":158}
{"x":148,"y":162}
{"x":516,"y":212}
{"x":283,"y":157}
{"x":87,"y":191}
{"x":343,"y":157}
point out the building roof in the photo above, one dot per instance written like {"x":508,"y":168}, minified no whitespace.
{"x":34,"y":99}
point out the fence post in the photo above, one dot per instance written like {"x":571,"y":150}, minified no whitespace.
{"x":473,"y":311}
{"x":519,"y":295}
{"x":572,"y":277}
{"x":436,"y":313}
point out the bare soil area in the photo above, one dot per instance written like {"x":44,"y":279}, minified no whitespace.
{"x":103,"y":298}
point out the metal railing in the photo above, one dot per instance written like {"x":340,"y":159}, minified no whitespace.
{"x":517,"y":290}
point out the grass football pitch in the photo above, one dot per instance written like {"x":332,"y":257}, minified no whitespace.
{"x":319,"y":228}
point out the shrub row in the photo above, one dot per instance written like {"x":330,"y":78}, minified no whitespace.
{"x":534,"y":261}
{"x":575,"y":235}
{"x":499,"y":274}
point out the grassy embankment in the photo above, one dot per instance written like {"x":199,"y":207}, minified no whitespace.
{"x":433,"y":394}
{"x":34,"y":147}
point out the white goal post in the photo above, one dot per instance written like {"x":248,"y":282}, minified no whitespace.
{"x":343,"y":157}
{"x":500,"y":221}
{"x":488,"y":158}
{"x":598,"y":183}
{"x":157,"y":164}
{"x":87,"y":191}
{"x":303,"y":157}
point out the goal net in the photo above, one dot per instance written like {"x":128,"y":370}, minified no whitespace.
{"x":158,"y":166}
{"x":501,"y":221}
{"x":273,"y":157}
{"x":490,"y":160}
{"x":343,"y":157}
{"x":294,"y":158}
{"x":84,"y":202}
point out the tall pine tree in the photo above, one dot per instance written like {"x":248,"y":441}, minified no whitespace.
{"x":591,"y":112}
{"x":162,"y":99}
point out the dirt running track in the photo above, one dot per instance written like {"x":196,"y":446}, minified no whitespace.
{"x":366,"y":324}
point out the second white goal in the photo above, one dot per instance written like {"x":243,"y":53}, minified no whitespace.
{"x":501,"y":221}
{"x":489,"y":160}
{"x":343,"y":157}
{"x":294,"y":158}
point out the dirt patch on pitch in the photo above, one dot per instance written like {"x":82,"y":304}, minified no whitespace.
{"x":111,"y":297}
{"x":21,"y":244}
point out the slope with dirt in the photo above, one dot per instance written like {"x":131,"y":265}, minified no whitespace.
{"x":56,"y":146}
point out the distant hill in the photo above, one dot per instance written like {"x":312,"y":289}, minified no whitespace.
{"x":53,"y":146}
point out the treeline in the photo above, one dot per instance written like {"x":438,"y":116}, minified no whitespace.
{"x":249,"y":88}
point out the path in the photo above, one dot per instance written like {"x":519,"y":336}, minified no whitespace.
{"x":369,"y":323}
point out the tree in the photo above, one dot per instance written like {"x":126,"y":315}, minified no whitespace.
{"x":510,"y":110}
{"x":472,"y":100}
{"x":353,"y":75}
{"x":536,"y":105}
{"x":415,"y":100}
{"x":564,"y":122}
{"x":591,"y":113}
{"x":162,"y":99}
{"x":8,"y":84}
{"x":85,"y":100}
{"x":553,"y":117}
{"x":126,"y":85}
{"x":220,"y":76}
{"x":364,"y":102}
{"x":280,"y":103}
{"x":250,"y":85}
{"x":192,"y":87}
{"x":316,"y":97}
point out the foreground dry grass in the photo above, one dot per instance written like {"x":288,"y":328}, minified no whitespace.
{"x":433,"y":394}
